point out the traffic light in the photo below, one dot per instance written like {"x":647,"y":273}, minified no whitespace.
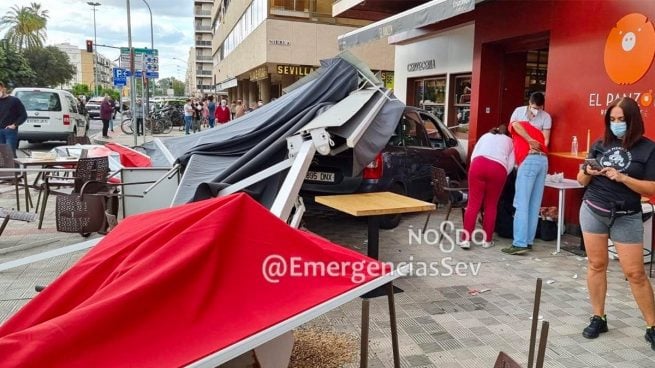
{"x":89,"y":46}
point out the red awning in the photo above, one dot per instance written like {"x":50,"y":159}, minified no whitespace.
{"x":168,"y":287}
{"x":130,"y":157}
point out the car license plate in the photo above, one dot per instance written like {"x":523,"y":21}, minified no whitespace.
{"x":36,"y":121}
{"x":320,"y":176}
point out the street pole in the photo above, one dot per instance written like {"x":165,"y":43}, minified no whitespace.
{"x":152,"y":47}
{"x":132,"y":91}
{"x":95,"y":48}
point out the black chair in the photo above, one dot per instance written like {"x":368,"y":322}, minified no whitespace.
{"x":14,"y":178}
{"x":73,"y":139}
{"x":88,"y":169}
{"x":444,"y":192}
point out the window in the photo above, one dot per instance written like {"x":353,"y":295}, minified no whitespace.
{"x":461,"y":99}
{"x":39,"y":101}
{"x":412,"y":131}
{"x":249,"y":21}
{"x":430,"y":95}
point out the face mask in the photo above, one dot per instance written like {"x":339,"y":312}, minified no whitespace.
{"x":534,"y":111}
{"x":618,"y":129}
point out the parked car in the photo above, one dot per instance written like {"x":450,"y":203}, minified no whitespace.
{"x":403,"y":166}
{"x":93,"y":107}
{"x":52,"y":114}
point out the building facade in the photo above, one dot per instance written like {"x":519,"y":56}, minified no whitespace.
{"x":83,"y":62}
{"x":202,"y":63}
{"x":581,"y":54}
{"x":262,"y":46}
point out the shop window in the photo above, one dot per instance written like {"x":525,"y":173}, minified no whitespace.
{"x":461,"y":99}
{"x":535,"y":72}
{"x":430,"y":95}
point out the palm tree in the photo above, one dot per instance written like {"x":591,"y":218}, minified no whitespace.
{"x":25,"y":26}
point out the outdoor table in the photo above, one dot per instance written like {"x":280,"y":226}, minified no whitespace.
{"x":562,"y":187}
{"x":372,"y":206}
{"x":26,"y":162}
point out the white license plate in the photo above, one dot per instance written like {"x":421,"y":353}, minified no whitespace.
{"x":320,"y":176}
{"x":37,"y":121}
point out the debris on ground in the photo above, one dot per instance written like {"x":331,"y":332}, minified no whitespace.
{"x":320,"y":348}
{"x":474,"y":292}
{"x":550,"y":282}
{"x":575,"y":276}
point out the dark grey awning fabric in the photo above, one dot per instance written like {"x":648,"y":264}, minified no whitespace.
{"x":215,"y":158}
{"x":420,"y":16}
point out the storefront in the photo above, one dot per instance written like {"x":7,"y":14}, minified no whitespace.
{"x":582,"y":54}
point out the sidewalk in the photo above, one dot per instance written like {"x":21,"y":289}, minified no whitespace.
{"x":118,"y":136}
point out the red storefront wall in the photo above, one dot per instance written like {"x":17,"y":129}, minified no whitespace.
{"x":577,"y":87}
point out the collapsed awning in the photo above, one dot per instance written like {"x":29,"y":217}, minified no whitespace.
{"x":169,"y":287}
{"x":420,"y":16}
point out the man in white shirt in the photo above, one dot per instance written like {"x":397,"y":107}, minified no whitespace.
{"x":531,"y":174}
{"x":188,"y":116}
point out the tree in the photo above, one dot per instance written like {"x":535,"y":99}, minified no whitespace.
{"x":15,"y":71}
{"x":26,"y":26}
{"x":52,"y":66}
{"x":81,"y":89}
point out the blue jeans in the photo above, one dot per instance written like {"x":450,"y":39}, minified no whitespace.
{"x":211,"y":122}
{"x":188,"y":121}
{"x":9,"y":137}
{"x":530,"y":181}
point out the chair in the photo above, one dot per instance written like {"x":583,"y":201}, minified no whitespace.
{"x":505,"y":361}
{"x":87,"y":169}
{"x":14,"y":178}
{"x":444,"y":191}
{"x":73,"y":139}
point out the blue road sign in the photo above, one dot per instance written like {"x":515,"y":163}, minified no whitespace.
{"x":120,"y":76}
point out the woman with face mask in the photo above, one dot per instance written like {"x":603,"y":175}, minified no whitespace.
{"x":620,"y":169}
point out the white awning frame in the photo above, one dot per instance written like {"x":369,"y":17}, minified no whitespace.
{"x":423,"y":15}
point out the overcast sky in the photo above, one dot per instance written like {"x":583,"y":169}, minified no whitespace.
{"x":72,"y":21}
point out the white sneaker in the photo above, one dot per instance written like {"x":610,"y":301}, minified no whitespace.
{"x":488,"y":244}
{"x":465,"y":244}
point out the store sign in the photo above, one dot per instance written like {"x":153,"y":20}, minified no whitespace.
{"x":299,"y":70}
{"x":387,"y":79}
{"x":422,"y":65}
{"x":259,"y":74}
{"x":279,"y":42}
{"x":629,"y":49}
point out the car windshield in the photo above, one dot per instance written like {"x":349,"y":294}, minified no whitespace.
{"x":39,"y":100}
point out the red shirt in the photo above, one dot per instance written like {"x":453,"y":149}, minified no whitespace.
{"x":222,"y":114}
{"x":521,"y":146}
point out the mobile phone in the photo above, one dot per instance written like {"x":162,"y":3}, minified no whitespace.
{"x":593,"y":163}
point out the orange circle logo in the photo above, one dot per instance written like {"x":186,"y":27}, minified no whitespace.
{"x":630,"y":49}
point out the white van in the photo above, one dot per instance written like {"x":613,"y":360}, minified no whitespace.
{"x":52,"y":114}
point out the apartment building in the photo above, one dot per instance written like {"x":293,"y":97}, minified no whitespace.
{"x":202,"y":58}
{"x":262,"y":46}
{"x":83,"y":62}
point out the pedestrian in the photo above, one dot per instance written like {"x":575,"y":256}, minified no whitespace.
{"x":622,"y":173}
{"x":223,"y":114}
{"x":530,"y":128}
{"x":188,"y":116}
{"x":205,"y":113}
{"x":12,"y":115}
{"x":116,"y":107}
{"x":106,"y":111}
{"x":211,"y":111}
{"x":138,"y":116}
{"x":491,"y":161}
{"x":197,"y":115}
{"x":240,"y":110}
{"x":233,"y":109}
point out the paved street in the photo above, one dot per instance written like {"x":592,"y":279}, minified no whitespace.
{"x":440,"y":323}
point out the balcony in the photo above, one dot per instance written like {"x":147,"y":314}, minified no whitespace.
{"x":202,"y":13}
{"x":199,"y":28}
{"x":203,"y":44}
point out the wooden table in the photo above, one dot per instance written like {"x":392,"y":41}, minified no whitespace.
{"x":25,"y":162}
{"x":372,"y":206}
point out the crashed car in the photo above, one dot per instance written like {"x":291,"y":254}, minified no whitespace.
{"x":404,"y":166}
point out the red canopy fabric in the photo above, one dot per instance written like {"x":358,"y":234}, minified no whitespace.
{"x":129,"y":156}
{"x":168,"y":287}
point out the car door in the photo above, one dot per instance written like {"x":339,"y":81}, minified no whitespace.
{"x":419,"y":156}
{"x":446,"y":151}
{"x":76,"y":117}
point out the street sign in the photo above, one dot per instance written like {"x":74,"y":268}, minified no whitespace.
{"x":144,"y":59}
{"x":120,"y":76}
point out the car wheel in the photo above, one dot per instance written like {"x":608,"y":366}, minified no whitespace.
{"x":392,"y":221}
